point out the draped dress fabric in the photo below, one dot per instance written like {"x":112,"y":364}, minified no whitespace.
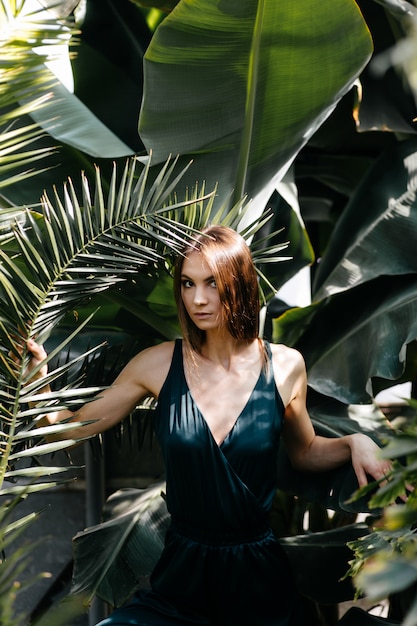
{"x":221,"y":564}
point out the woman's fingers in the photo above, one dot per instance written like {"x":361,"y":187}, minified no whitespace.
{"x":37,"y":351}
{"x":38,"y":355}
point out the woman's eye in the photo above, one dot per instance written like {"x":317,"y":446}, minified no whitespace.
{"x":187,"y":283}
{"x":213,"y":284}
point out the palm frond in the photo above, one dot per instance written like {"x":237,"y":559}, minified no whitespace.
{"x":60,"y":257}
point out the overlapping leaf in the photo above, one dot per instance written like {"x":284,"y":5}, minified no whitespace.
{"x":378,"y":318}
{"x":110,"y":559}
{"x":371,"y":238}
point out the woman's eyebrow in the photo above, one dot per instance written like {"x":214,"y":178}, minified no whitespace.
{"x":207,"y":279}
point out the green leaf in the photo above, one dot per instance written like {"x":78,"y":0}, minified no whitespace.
{"x":69,"y":121}
{"x":31,"y":472}
{"x":112,"y":557}
{"x":400,"y":446}
{"x":387,"y":576}
{"x":45,"y":448}
{"x":108,"y":79}
{"x":400,"y":517}
{"x":375,"y":242}
{"x":320,"y":560}
{"x":41,"y":486}
{"x":261,"y":77}
{"x":378,"y":319}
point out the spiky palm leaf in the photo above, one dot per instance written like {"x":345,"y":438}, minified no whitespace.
{"x":62,"y":258}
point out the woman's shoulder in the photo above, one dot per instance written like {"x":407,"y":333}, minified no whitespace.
{"x":289,"y":371}
{"x":151,"y":365}
{"x":285,"y":356}
{"x":158,"y":351}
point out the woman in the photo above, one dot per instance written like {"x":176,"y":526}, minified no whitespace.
{"x":225,"y":397}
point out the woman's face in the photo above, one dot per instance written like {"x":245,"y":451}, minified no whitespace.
{"x":199,"y":293}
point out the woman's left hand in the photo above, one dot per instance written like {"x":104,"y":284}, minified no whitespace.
{"x":366,"y":459}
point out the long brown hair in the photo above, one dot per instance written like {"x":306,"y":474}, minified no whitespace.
{"x":228,"y":257}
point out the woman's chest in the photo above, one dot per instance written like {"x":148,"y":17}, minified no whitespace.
{"x":222,"y":400}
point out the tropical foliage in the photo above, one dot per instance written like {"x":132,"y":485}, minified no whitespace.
{"x":385,"y":560}
{"x":261,"y":97}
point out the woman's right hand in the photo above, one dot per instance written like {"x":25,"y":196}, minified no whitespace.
{"x":38,"y":355}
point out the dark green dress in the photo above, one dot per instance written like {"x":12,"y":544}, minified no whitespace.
{"x":221,"y":565}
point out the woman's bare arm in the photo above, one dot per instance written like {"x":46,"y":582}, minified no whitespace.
{"x":308,"y":451}
{"x":142,"y":376}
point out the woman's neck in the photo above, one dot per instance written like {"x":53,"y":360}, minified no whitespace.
{"x":224,"y":349}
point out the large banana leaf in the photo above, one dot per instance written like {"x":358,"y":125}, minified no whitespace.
{"x":108,"y":79}
{"x":70,"y":122}
{"x":33,"y":38}
{"x":388,"y":102}
{"x":112,"y":558}
{"x":260,"y":78}
{"x":375,"y":322}
{"x":365,"y":281}
{"x":372,"y":238}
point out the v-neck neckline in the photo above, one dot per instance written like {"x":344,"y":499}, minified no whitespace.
{"x":201,"y":414}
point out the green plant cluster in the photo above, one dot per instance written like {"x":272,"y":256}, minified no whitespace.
{"x":385,"y":561}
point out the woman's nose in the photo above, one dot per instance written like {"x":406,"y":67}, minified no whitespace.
{"x":199,"y":295}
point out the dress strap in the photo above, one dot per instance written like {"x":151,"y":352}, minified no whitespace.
{"x":177,"y":350}
{"x":177,"y":363}
{"x":268,"y":350}
{"x":270,"y":375}
{"x":174,"y":373}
